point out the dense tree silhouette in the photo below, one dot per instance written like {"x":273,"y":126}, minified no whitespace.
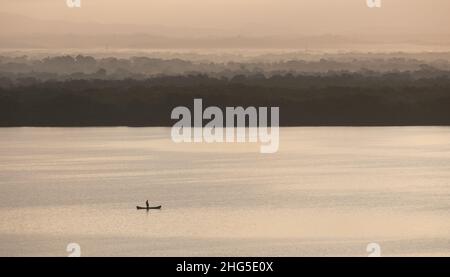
{"x":396,"y":98}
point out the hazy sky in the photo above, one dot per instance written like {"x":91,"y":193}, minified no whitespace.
{"x":259,"y":17}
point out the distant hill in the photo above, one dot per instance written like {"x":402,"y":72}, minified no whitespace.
{"x":20,"y":32}
{"x":18,"y":25}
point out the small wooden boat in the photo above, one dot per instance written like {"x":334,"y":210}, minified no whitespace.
{"x":148,"y":208}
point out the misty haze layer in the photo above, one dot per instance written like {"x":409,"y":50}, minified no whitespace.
{"x":205,"y":24}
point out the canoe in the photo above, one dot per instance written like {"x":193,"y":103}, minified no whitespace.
{"x":149,"y":208}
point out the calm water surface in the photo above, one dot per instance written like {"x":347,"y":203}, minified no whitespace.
{"x":327,"y":192}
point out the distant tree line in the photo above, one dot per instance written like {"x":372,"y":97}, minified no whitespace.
{"x":350,"y":99}
{"x":113,"y":68}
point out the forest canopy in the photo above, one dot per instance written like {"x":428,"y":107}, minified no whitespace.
{"x":141,"y":91}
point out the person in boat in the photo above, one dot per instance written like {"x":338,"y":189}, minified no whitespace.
{"x":146,"y":203}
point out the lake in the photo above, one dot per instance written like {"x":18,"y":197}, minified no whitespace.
{"x":328,"y":191}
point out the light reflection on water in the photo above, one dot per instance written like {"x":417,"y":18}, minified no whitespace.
{"x":328,"y":191}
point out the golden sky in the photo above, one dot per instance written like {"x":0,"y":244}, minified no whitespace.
{"x":259,"y":17}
